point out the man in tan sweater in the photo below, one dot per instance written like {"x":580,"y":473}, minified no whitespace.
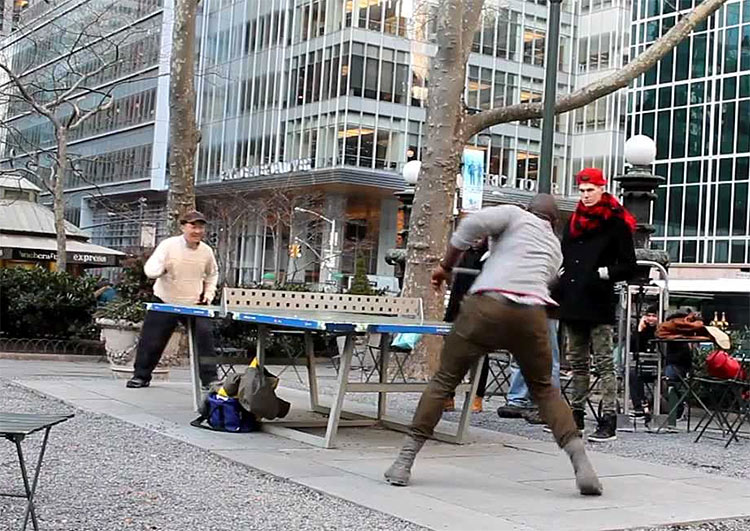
{"x":186,"y":273}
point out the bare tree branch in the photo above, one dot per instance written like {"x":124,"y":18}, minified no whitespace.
{"x":600,"y":88}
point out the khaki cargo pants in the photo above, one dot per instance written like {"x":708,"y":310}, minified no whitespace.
{"x":485,"y":324}
{"x":587,"y":340}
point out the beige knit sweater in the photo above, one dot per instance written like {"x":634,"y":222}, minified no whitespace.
{"x":182,"y":274}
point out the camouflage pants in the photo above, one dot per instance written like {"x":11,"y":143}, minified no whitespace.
{"x":585,"y":339}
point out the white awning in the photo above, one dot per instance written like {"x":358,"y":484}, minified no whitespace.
{"x":39,"y":248}
{"x":715,"y":285}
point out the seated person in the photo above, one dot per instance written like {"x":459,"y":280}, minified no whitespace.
{"x":677,"y":362}
{"x":643,"y":371}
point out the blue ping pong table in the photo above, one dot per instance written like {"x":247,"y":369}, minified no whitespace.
{"x":339,"y":323}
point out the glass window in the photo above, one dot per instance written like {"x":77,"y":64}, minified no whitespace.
{"x":743,"y":127}
{"x":402,"y":83}
{"x":386,"y":81}
{"x":694,"y":171}
{"x":665,"y":68}
{"x":722,"y":252}
{"x":647,"y":127}
{"x":692,"y":206}
{"x":675,"y":211}
{"x":745,"y":86}
{"x":680,"y":95}
{"x":649,"y":99}
{"x":733,"y":13}
{"x":730,"y":49}
{"x":357,"y":72}
{"x":699,"y":56}
{"x":663,"y":134}
{"x":724,"y":198}
{"x":659,"y":211}
{"x":738,"y":252}
{"x":683,"y":61}
{"x":739,"y":221}
{"x":689,"y":251}
{"x":673,"y":249}
{"x":695,"y":132}
{"x":727,"y":127}
{"x":742,"y":171}
{"x":745,"y":46}
{"x":729,"y":92}
{"x":725,"y":169}
{"x":677,"y":173}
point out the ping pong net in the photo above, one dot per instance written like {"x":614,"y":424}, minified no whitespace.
{"x":329,"y":302}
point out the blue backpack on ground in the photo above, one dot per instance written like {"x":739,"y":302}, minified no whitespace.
{"x":225,"y":414}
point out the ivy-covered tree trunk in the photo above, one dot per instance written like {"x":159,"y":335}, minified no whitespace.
{"x":183,"y":131}
{"x":432,"y":211}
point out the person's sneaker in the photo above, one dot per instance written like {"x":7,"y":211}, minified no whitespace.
{"x":449,"y":404}
{"x":509,"y":411}
{"x":476,"y":405}
{"x":137,"y":383}
{"x":607,"y":429}
{"x":532,"y":416}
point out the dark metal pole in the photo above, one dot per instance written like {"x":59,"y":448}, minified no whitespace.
{"x":550,"y":93}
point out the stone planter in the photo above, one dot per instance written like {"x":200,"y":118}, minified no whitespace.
{"x":120,"y":342}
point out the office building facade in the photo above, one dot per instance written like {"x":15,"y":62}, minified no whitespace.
{"x":116,"y":181}
{"x":696,"y":104}
{"x":318,"y":104}
{"x":329,"y":97}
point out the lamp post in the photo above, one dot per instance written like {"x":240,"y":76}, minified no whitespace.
{"x":397,"y":257}
{"x":638,"y":192}
{"x":332,"y":239}
{"x":550,"y":94}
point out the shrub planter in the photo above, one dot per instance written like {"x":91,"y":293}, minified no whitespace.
{"x":120,"y":342}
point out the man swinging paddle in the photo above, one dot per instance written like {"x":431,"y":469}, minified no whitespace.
{"x":505,"y":310}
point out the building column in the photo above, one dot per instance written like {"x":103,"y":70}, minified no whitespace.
{"x":387,"y":235}
{"x":334,"y":208}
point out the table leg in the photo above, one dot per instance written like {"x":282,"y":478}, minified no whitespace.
{"x":29,"y":488}
{"x":312,"y":375}
{"x":463,"y":423}
{"x":385,"y":357}
{"x":338,"y":401}
{"x":194,"y":363}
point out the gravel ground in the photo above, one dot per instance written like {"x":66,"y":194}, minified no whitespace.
{"x":103,"y":474}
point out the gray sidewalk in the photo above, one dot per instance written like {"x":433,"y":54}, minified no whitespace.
{"x":497,"y":481}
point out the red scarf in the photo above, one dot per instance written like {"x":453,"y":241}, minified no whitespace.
{"x":587,"y":219}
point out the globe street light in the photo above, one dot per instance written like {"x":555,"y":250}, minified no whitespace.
{"x":638,"y":194}
{"x":397,"y":257}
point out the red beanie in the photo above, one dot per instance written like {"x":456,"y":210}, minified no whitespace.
{"x":592,"y":176}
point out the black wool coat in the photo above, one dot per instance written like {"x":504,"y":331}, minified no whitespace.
{"x":462,"y":282}
{"x":583,"y":296}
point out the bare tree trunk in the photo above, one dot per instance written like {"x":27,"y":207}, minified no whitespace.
{"x":183,"y":132}
{"x":432,"y":211}
{"x":58,"y":197}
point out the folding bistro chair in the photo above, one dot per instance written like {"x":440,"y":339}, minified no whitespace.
{"x":499,"y":374}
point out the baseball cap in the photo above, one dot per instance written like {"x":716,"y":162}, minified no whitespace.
{"x":192,"y":216}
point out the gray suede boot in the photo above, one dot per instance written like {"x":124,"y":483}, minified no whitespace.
{"x":400,"y":471}
{"x":586,"y":479}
